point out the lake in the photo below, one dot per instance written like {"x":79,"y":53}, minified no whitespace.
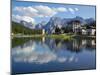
{"x":35,"y":55}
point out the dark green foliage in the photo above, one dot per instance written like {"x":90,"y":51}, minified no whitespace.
{"x":90,"y":26}
{"x":20,"y":41}
{"x":57,"y":30}
{"x":18,"y":28}
{"x":67,"y":29}
{"x":93,"y":24}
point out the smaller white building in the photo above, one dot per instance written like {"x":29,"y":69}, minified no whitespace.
{"x":91,"y":31}
{"x":84,"y":32}
{"x":43,"y":31}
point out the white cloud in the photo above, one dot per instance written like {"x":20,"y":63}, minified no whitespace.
{"x":22,"y":9}
{"x":60,"y":9}
{"x":27,"y":11}
{"x":45,"y":11}
{"x":30,"y":12}
{"x":36,"y":11}
{"x":18,"y":18}
{"x":76,"y":9}
{"x":28,"y":19}
{"x":73,"y":10}
{"x":39,"y":11}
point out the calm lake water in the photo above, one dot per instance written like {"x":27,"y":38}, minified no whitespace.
{"x":46,"y":55}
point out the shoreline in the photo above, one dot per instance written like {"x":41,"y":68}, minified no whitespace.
{"x":57,"y":36}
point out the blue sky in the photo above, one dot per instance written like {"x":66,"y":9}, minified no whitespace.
{"x":38,"y":12}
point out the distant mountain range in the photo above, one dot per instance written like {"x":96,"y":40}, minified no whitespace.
{"x":27,"y":24}
{"x":57,"y":22}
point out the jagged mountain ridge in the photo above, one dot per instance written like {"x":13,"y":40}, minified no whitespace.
{"x":57,"y":22}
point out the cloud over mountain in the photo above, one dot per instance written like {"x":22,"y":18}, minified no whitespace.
{"x":73,"y":10}
{"x":18,"y":18}
{"x":60,"y":9}
{"x":42,"y":10}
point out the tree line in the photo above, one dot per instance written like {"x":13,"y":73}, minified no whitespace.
{"x":17,"y":28}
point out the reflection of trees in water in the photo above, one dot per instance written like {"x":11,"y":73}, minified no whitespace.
{"x":22,"y":42}
{"x":78,"y":45}
{"x":19,"y":41}
{"x":75,"y":45}
{"x":91,"y":45}
{"x":55,"y":44}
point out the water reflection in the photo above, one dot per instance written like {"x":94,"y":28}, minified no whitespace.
{"x":46,"y":50}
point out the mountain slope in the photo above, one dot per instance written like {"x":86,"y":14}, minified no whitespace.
{"x":19,"y":28}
